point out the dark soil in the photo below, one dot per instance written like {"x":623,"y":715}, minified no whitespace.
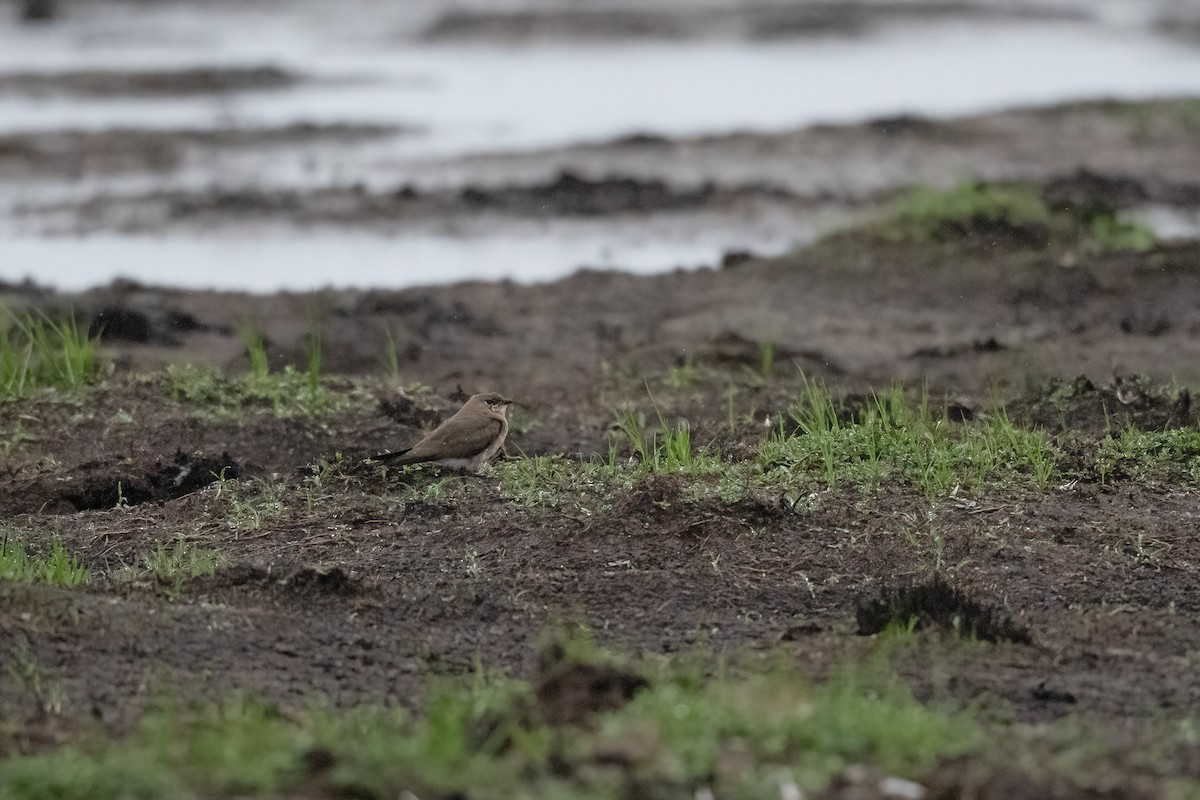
{"x":568,"y":195}
{"x":748,"y":20}
{"x":98,"y":83}
{"x":77,"y":153}
{"x":359,"y":588}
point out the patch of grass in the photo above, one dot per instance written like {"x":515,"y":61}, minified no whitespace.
{"x":685,"y":732}
{"x":171,"y":565}
{"x":684,"y":375}
{"x":287,"y":392}
{"x":582,"y":488}
{"x":56,"y":568}
{"x":37,"y":351}
{"x":662,"y":448}
{"x":888,"y":438}
{"x":1146,"y":457}
{"x":786,"y":731}
{"x":485,"y":740}
{"x":936,"y":214}
{"x":249,"y":502}
{"x":248,"y":749}
{"x":255,"y":345}
{"x":1109,"y":232}
{"x":1015,"y":212}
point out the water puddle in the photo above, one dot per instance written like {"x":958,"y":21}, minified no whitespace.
{"x":470,"y":99}
{"x":343,"y":260}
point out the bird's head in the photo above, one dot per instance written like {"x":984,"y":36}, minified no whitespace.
{"x":492,"y":402}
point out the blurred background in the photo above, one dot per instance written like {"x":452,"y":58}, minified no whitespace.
{"x":292,"y":144}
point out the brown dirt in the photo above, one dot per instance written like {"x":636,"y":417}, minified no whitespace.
{"x":747,"y":20}
{"x":77,"y":153}
{"x":361,"y":587}
{"x":565,"y":196}
{"x":104,"y":83}
{"x":358,"y":588}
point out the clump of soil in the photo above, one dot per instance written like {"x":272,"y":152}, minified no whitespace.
{"x":115,"y":83}
{"x":103,"y":486}
{"x":1078,"y":404}
{"x":569,"y":693}
{"x":936,"y":604}
{"x":568,"y":195}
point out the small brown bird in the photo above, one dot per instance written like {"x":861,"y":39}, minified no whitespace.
{"x":466,"y":441}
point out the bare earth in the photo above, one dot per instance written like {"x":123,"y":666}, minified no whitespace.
{"x":360,"y":587}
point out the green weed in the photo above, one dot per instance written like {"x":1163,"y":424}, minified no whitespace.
{"x":57,"y":568}
{"x":255,"y":346}
{"x":1147,"y":457}
{"x":663,"y":448}
{"x":766,"y":359}
{"x":251,"y":502}
{"x":25,"y":670}
{"x":1108,"y":232}
{"x":684,"y":375}
{"x":313,"y":345}
{"x":37,"y":351}
{"x":171,"y":565}
{"x":390,"y":357}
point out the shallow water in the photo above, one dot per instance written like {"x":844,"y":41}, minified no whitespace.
{"x":342,"y":260}
{"x":470,"y":99}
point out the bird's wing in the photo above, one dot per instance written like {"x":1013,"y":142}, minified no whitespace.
{"x":456,"y":438}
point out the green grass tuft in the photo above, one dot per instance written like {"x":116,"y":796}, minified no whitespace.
{"x":978,"y":209}
{"x":56,"y":568}
{"x":172,"y":565}
{"x":929,"y":212}
{"x":37,"y":351}
{"x":890,"y":438}
{"x":287,"y":393}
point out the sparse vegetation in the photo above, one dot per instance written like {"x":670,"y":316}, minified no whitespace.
{"x":765,"y":731}
{"x":249,"y":502}
{"x":286,"y":393}
{"x":580,"y":487}
{"x":747,"y":552}
{"x":483,"y":739}
{"x":25,"y":670}
{"x":1147,"y":457}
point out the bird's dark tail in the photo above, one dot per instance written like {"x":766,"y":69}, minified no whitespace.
{"x":391,"y":458}
{"x":384,"y":459}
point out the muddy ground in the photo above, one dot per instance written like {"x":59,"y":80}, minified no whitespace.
{"x":358,"y":587}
